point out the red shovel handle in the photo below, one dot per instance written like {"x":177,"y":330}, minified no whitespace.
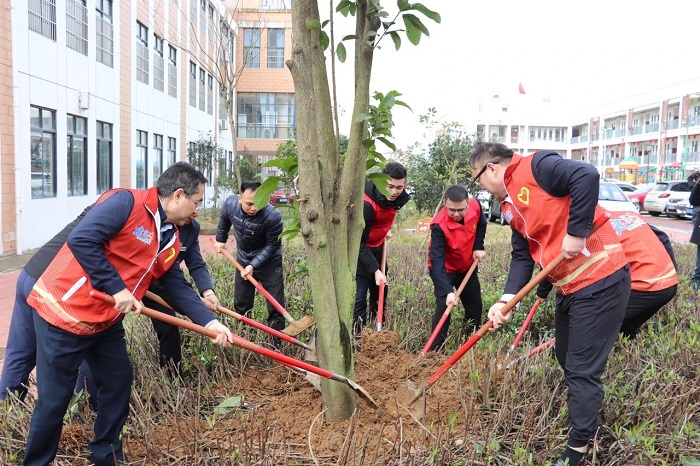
{"x":544,"y":345}
{"x":237,"y":341}
{"x":382,"y":286}
{"x":526,"y":324}
{"x":446,"y":314}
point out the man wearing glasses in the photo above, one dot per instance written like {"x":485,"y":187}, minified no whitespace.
{"x":456,"y":240}
{"x":551,"y":204}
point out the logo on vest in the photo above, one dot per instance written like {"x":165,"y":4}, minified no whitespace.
{"x":171,"y":254}
{"x":507,"y":214}
{"x":524,"y":195}
{"x":626,"y":222}
{"x":143,"y":235}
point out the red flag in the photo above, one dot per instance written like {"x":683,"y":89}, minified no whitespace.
{"x":521,"y":89}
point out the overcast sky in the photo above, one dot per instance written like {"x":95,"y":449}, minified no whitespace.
{"x":577,"y":53}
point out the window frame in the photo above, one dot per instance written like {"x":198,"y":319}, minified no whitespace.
{"x":141,"y":156}
{"x":73,"y":141}
{"x":45,"y":132}
{"x":104,"y":140}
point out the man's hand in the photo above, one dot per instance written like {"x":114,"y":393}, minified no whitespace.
{"x":211,"y":301}
{"x":451,"y":299}
{"x":219,"y":246}
{"x":496,"y":318}
{"x":571,"y":246}
{"x":389,"y":234}
{"x":124,"y":301}
{"x":379,"y":278}
{"x":224,"y":338}
{"x":247,"y":271}
{"x":478,"y":255}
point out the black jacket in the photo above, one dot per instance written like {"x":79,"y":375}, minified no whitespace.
{"x":257,"y":237}
{"x":694,"y":200}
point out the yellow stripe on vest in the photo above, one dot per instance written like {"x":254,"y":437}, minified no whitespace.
{"x":582,"y":268}
{"x":51,"y":302}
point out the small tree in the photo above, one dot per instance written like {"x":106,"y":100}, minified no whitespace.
{"x":205,"y":154}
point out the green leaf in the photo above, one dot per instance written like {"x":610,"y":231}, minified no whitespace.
{"x":325,"y":23}
{"x":417,"y":23}
{"x":228,"y":405}
{"x":286,"y":164}
{"x":396,"y":38}
{"x":388,"y":143}
{"x":403,"y":5}
{"x":434,"y":15}
{"x":263,"y":193}
{"x":313,"y":24}
{"x":412,"y":32}
{"x":343,"y":7}
{"x":323,"y":40}
{"x":350,"y":37}
{"x":340,"y":51}
{"x":363,"y":117}
{"x":380,"y":180}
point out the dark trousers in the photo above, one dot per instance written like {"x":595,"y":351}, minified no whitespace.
{"x":59,"y":354}
{"x":362,"y":314}
{"x":20,"y":354}
{"x":271,"y":277}
{"x":471,"y":300}
{"x":586,"y":331}
{"x":642,"y":306}
{"x":169,"y":340}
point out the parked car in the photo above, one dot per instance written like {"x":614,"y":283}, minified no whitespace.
{"x":612,"y":198}
{"x":678,"y":205}
{"x":494,"y":211}
{"x":657,"y":199}
{"x":626,"y":187}
{"x":282,"y":196}
{"x":483,"y":197}
{"x":639,"y":194}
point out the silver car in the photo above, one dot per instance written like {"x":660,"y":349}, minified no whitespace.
{"x":658,"y":198}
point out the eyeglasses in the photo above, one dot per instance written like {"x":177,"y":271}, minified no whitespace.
{"x":456,"y":211}
{"x":483,"y":169}
{"x":199,"y":205}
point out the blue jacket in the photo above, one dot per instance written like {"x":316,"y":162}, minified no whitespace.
{"x":257,"y":237}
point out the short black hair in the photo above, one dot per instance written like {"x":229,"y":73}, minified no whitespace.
{"x":493,"y":151}
{"x":180,"y":175}
{"x":248,"y":184}
{"x":395,"y":170}
{"x":456,"y":193}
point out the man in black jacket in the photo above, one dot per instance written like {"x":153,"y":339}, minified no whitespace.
{"x":694,"y":200}
{"x":258,"y":248}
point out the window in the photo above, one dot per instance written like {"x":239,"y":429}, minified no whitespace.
{"x":211,"y":23}
{"x":157,"y":159}
{"x":142,"y":64}
{"x":172,"y":71}
{"x":275,"y":48}
{"x":105,"y":32}
{"x":158,"y":64}
{"x":266,"y":115}
{"x":141,"y":159}
{"x":76,"y":26}
{"x":193,"y":84}
{"x":42,"y":17}
{"x":210,"y":95}
{"x":251,"y":47}
{"x":202,"y":89}
{"x":43,"y":152}
{"x":203,"y":16}
{"x":172,"y":153}
{"x":77,"y":155}
{"x":104,"y":157}
{"x":193,"y":13}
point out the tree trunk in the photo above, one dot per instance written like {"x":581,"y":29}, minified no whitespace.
{"x":330,"y":199}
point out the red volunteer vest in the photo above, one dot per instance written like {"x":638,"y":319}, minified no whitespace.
{"x":651,"y":267}
{"x":537,"y":217}
{"x":383,"y":220}
{"x":459,"y":239}
{"x":61,"y":295}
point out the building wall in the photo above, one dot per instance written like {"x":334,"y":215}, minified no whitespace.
{"x":8,"y":205}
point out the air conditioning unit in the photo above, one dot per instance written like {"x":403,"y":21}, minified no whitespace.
{"x":223,"y":124}
{"x":83,"y":100}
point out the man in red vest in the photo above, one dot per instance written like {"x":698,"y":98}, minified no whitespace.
{"x":125,"y":241}
{"x":551,"y":205}
{"x":456,"y":240}
{"x":379,"y":213}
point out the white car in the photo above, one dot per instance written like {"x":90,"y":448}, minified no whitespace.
{"x":612,"y":198}
{"x":657,"y":199}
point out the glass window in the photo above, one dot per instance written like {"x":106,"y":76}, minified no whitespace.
{"x":202,"y":89}
{"x":141,"y":159}
{"x":42,"y":17}
{"x":172,"y":71}
{"x":157,"y":159}
{"x":275,"y":48}
{"x":43,"y":152}
{"x":76,"y":140}
{"x":104,"y":156}
{"x":210,"y":94}
{"x":266,"y":115}
{"x":76,"y":26}
{"x":251,"y":47}
{"x":105,"y":32}
{"x":142,"y":62}
{"x":158,"y":64}
{"x":172,"y":153}
{"x":193,"y":84}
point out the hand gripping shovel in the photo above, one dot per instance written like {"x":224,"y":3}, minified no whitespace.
{"x":382,"y":287}
{"x":450,"y":306}
{"x":241,"y":318}
{"x":245,"y":344}
{"x":294,"y":327}
{"x":409,"y":392}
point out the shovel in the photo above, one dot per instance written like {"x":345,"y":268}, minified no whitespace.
{"x":525,"y":325}
{"x":245,"y":344}
{"x":241,"y":318}
{"x":294,"y":327}
{"x":409,"y":391}
{"x":450,"y":306}
{"x":382,"y":286}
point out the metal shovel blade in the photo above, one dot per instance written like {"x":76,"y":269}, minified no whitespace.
{"x":296,"y":327}
{"x":361,"y":391}
{"x":412,"y":398}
